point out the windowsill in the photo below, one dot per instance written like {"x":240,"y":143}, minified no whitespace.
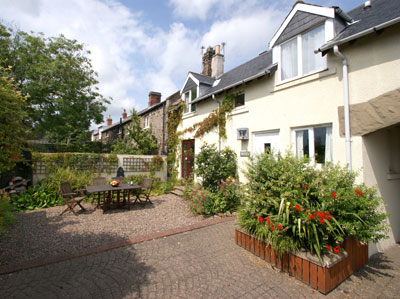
{"x":188,"y":115}
{"x":393,"y":176}
{"x":239,"y":110}
{"x":305,"y":79}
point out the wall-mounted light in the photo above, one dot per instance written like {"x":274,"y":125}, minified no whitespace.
{"x":242,"y":133}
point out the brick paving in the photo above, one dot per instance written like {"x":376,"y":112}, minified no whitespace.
{"x":202,"y":263}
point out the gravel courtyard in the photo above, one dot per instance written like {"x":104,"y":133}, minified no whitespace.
{"x":43,"y":233}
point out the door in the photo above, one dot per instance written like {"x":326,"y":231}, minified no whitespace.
{"x":187,"y":158}
{"x":265,"y":142}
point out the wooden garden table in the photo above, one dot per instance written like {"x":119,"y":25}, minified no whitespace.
{"x":109,"y":190}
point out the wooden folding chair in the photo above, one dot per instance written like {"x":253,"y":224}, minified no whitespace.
{"x":145,"y":189}
{"x":71,"y":198}
{"x":99,"y":181}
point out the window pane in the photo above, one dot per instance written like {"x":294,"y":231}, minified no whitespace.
{"x":302,"y":148}
{"x":193,"y":108}
{"x":320,"y":144}
{"x":194,"y":93}
{"x":187,"y":102}
{"x":311,"y":41}
{"x":239,"y":100}
{"x":289,"y":64}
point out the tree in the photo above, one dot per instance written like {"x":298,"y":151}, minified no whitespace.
{"x":12,"y":128}
{"x":57,"y":77}
{"x":138,"y":141}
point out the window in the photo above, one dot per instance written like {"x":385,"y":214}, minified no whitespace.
{"x":239,"y":100}
{"x":298,"y":57}
{"x":190,"y":96}
{"x":314,"y":142}
{"x":146,"y":122}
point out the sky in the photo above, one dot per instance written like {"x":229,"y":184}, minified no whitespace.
{"x":148,"y":45}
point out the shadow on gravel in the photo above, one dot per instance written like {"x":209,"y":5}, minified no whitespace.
{"x":75,"y":271}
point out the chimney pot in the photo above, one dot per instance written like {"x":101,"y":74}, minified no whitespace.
{"x":124,"y":114}
{"x":109,"y":121}
{"x":154,"y":98}
{"x":367,"y":4}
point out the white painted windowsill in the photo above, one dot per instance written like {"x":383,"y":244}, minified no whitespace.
{"x":239,"y":110}
{"x":188,"y":115}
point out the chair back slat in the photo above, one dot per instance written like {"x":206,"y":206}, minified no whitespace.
{"x":118,"y":179}
{"x":146,"y":183}
{"x":65,"y":188}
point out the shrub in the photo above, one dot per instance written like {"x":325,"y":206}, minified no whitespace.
{"x":293,"y":205}
{"x":212,"y":166}
{"x":6,"y":216}
{"x":200,"y":201}
{"x":46,"y":193}
{"x":159,"y":187}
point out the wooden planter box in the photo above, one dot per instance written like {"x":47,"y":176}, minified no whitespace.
{"x":307,"y":268}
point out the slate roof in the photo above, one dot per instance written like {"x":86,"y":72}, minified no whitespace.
{"x":124,"y":121}
{"x":257,"y":66}
{"x":380,"y":12}
{"x":203,"y":79}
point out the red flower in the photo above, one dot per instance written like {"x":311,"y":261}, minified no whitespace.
{"x":329,"y":247}
{"x":298,"y":208}
{"x":268,"y":220}
{"x":328,"y":217}
{"x":260,"y":219}
{"x":320,"y":214}
{"x":336,"y":249}
{"x":272,"y":227}
{"x":358,"y":192}
{"x":322,"y":220}
{"x":311,"y":217}
{"x":280,"y":226}
{"x":304,"y":186}
{"x":333,"y":194}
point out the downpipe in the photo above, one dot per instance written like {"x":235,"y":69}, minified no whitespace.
{"x":346,"y":106}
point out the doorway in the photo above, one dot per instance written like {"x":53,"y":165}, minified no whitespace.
{"x":187,"y":158}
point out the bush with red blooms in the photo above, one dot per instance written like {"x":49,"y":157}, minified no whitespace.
{"x":291,"y":205}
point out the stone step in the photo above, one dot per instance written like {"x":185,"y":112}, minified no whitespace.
{"x":177,"y":192}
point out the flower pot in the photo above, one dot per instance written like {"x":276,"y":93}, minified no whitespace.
{"x":324,"y":276}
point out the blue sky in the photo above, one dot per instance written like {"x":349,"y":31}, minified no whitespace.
{"x":142,"y":46}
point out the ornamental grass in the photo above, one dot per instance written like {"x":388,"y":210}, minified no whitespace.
{"x":293,"y":205}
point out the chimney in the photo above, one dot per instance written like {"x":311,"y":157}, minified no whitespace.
{"x":154,"y":98}
{"x":109,"y":121}
{"x":217,"y":63}
{"x":207,"y":57}
{"x":124,"y":114}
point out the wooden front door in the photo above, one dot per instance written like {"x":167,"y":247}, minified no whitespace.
{"x":187,"y":158}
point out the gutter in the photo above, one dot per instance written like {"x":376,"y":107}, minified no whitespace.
{"x":360,"y":34}
{"x":346,"y":106}
{"x":267,"y":71}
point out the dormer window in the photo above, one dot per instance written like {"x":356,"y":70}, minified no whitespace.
{"x":189,"y":97}
{"x":297,"y":57}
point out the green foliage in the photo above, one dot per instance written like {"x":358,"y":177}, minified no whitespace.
{"x":138,"y":141}
{"x":57,"y":76}
{"x":174,"y":119}
{"x":159,"y":187}
{"x":212,"y":166}
{"x":46,"y":193}
{"x":6,"y":216}
{"x":13,"y":130}
{"x":293,"y":205}
{"x":201,"y":202}
{"x":83,"y":146}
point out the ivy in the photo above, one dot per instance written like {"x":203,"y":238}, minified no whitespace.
{"x":174,"y":119}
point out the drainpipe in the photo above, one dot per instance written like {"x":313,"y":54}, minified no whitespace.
{"x":219,"y":139}
{"x":346,"y":105}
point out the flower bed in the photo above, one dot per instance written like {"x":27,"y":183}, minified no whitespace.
{"x":305,"y":267}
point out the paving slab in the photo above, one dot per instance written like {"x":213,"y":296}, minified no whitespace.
{"x":202,"y":263}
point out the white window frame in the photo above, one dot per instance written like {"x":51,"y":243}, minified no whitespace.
{"x":298,"y":37}
{"x":147,"y":122}
{"x":188,"y":103}
{"x":311,"y":142}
